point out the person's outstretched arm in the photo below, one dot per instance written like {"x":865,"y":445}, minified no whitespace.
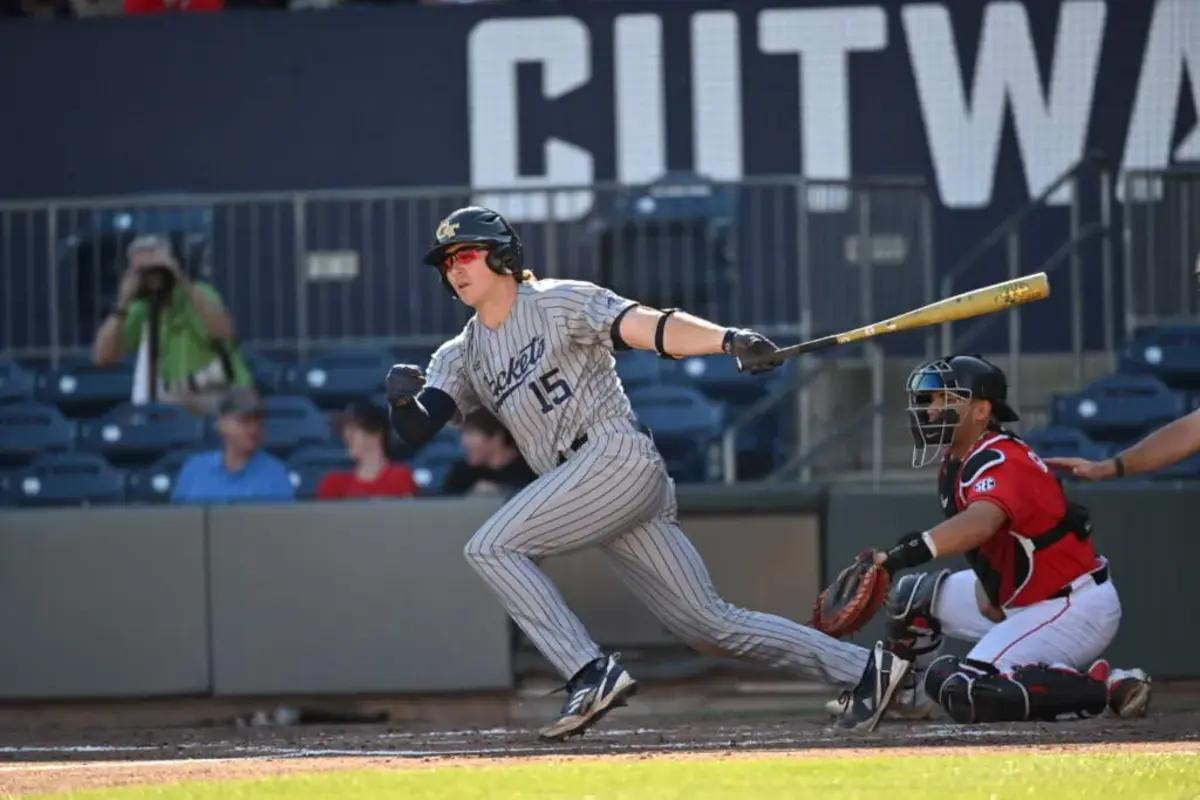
{"x":1166,"y":446}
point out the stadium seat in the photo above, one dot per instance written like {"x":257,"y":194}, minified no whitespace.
{"x":307,"y":466}
{"x":1119,"y":407}
{"x":29,"y":429}
{"x":638,"y":368}
{"x":719,"y":379}
{"x":334,"y":378}
{"x":138,"y":435}
{"x":81,"y":389}
{"x":7,"y":486}
{"x":154,"y":483}
{"x":292,"y":422}
{"x":644,"y":233}
{"x":758,"y":444}
{"x":412,"y":354}
{"x":266,"y":371}
{"x":761,"y":444}
{"x":1056,"y":442}
{"x":57,"y":479}
{"x":16,"y":382}
{"x":432,"y":463}
{"x":1170,"y":353}
{"x":684,"y":423}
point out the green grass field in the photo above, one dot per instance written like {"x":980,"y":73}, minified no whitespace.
{"x":960,"y":777}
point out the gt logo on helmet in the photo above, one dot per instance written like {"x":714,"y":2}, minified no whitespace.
{"x":445,"y":230}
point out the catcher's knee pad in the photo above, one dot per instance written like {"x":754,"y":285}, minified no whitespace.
{"x":912,"y":632}
{"x":975,"y":691}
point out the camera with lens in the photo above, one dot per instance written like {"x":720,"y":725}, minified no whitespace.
{"x":156,"y":270}
{"x":155,"y":281}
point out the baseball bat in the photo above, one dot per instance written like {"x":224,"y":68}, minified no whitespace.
{"x":974,"y":303}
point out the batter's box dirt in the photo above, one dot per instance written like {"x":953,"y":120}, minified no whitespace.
{"x":678,"y":734}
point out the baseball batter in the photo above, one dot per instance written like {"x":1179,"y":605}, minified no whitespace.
{"x":1038,"y":602}
{"x":538,"y":355}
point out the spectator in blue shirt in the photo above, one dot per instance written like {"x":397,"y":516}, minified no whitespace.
{"x":240,"y":471}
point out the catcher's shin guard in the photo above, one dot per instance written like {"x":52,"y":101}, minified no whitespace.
{"x":912,"y":631}
{"x":975,"y":691}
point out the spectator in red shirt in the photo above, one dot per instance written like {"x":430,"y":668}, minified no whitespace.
{"x":364,"y":429}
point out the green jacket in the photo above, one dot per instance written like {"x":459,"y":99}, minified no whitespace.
{"x":184,"y":346}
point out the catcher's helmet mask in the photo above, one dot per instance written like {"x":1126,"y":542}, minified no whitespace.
{"x":960,"y":379}
{"x":479,"y":226}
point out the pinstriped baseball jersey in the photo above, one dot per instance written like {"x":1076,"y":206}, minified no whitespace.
{"x":546,"y":372}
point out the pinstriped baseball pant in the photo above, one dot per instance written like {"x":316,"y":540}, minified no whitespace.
{"x":615,"y":494}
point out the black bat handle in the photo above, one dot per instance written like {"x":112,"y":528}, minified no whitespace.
{"x":807,"y":347}
{"x":793,"y":350}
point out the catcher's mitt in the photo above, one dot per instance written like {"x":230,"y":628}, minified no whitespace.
{"x":853,"y":598}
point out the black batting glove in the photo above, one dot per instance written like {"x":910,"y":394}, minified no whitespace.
{"x":403,"y":383}
{"x":753,"y":352}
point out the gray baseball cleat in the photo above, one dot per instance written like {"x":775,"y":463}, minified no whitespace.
{"x":866,"y":702}
{"x":596,"y":689}
{"x":910,"y":703}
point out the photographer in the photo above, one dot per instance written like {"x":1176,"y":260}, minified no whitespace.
{"x":196,"y":361}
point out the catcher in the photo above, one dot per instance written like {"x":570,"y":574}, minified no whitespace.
{"x":1037,"y":602}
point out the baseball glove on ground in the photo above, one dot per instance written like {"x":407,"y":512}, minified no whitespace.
{"x":853,"y":598}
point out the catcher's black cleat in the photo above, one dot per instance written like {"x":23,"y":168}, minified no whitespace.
{"x":882,"y":676}
{"x":592,"y":692}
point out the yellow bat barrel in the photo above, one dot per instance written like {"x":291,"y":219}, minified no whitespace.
{"x":974,"y":303}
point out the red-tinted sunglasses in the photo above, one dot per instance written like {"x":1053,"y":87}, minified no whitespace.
{"x":461,"y":256}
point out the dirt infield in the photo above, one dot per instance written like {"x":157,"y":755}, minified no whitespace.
{"x":74,"y":760}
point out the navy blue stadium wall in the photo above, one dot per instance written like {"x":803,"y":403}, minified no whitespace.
{"x":375,"y":96}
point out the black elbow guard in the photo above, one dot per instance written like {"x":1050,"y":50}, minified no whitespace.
{"x":660,"y":332}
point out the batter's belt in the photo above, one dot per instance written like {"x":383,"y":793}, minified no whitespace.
{"x":622,"y":426}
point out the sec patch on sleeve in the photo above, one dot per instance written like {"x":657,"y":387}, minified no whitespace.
{"x":985,"y":485}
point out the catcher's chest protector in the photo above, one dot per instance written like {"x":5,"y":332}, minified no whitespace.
{"x":1032,"y":556}
{"x":947,"y":481}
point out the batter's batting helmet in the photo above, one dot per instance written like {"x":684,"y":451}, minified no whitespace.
{"x":475,"y":225}
{"x":963,"y":378}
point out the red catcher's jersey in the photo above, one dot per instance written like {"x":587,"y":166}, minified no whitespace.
{"x":1014,"y":568}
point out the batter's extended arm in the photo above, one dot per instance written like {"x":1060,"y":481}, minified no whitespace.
{"x":680,"y":334}
{"x":684,"y":335}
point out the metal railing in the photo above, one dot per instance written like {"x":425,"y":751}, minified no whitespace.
{"x":1161,"y":239}
{"x":868,"y":214}
{"x":1088,"y":172}
{"x":849,"y":423}
{"x":312,"y":269}
{"x":305,"y":270}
